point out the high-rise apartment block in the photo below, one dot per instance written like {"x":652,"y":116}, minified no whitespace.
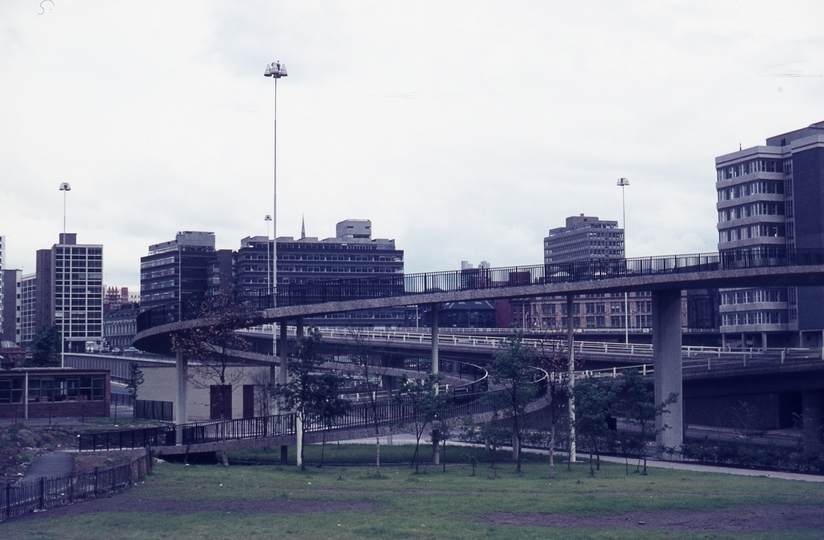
{"x":771,"y":202}
{"x":69,"y":294}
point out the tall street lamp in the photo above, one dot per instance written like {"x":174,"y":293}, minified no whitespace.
{"x":268,"y":219}
{"x":623,"y":183}
{"x":64,"y":187}
{"x":276,"y":70}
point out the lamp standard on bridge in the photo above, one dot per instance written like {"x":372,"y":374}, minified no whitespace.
{"x":623,"y":183}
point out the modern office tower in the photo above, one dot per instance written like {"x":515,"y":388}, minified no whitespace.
{"x":770,"y":203}
{"x":352,"y":253}
{"x":174,"y":273}
{"x":584,"y":238}
{"x":10,"y":306}
{"x":28,"y":309}
{"x":69,"y":281}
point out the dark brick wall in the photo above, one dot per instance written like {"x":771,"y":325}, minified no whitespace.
{"x":59,"y":409}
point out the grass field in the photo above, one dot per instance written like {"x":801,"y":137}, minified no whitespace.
{"x":269,"y":501}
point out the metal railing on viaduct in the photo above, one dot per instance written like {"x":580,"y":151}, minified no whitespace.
{"x":480,"y":279}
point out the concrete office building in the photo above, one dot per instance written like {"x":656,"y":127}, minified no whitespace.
{"x":69,"y":281}
{"x":11,"y":306}
{"x":120,"y":326}
{"x":770,"y":202}
{"x":584,"y":238}
{"x":28,"y":309}
{"x":352,"y":253}
{"x":179,"y":272}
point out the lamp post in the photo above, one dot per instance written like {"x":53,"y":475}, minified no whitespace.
{"x":64,"y":187}
{"x":268,"y":219}
{"x":276,"y":70}
{"x":623,"y":183}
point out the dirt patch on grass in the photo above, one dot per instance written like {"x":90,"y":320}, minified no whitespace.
{"x":749,"y":518}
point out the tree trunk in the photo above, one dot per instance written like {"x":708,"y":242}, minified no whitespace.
{"x":299,"y":437}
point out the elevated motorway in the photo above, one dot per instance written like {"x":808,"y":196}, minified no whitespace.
{"x":665,"y":277}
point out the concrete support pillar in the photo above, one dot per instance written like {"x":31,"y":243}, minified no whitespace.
{"x":763,"y":340}
{"x":181,"y":373}
{"x":387,"y":385}
{"x":435,"y":339}
{"x":299,"y":328}
{"x":666,"y":354}
{"x":299,"y":439}
{"x":571,"y":376}
{"x":283,"y":378}
{"x":812,"y":406}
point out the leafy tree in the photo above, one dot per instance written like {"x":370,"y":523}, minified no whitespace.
{"x":637,"y":405}
{"x":491,"y":433}
{"x":45,"y":348}
{"x":212,"y":346}
{"x":421,"y":405}
{"x":550,"y":359}
{"x":135,"y":379}
{"x":327,"y":404}
{"x":592,"y":408}
{"x":371,"y":371}
{"x":312,"y":395}
{"x":512,"y":369}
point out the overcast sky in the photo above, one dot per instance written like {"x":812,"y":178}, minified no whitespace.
{"x":464,"y":130}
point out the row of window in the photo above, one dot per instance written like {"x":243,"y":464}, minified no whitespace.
{"x":751,"y":188}
{"x":78,"y":264}
{"x":51,"y":389}
{"x":78,"y":251}
{"x":78,"y":276}
{"x":754,"y":317}
{"x":753,"y":296}
{"x":340,"y":269}
{"x":750,"y":167}
{"x":761,"y":230}
{"x":597,"y":321}
{"x":749,"y":210}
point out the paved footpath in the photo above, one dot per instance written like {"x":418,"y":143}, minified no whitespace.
{"x":405,"y":438}
{"x":48,"y":465}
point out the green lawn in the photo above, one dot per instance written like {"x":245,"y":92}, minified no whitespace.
{"x":272,"y":501}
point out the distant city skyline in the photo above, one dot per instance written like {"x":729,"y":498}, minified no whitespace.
{"x":463,"y":130}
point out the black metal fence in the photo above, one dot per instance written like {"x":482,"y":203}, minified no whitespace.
{"x":154,"y":410}
{"x":40,"y":494}
{"x":128,"y":438}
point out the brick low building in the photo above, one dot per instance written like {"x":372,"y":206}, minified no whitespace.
{"x":54,"y":392}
